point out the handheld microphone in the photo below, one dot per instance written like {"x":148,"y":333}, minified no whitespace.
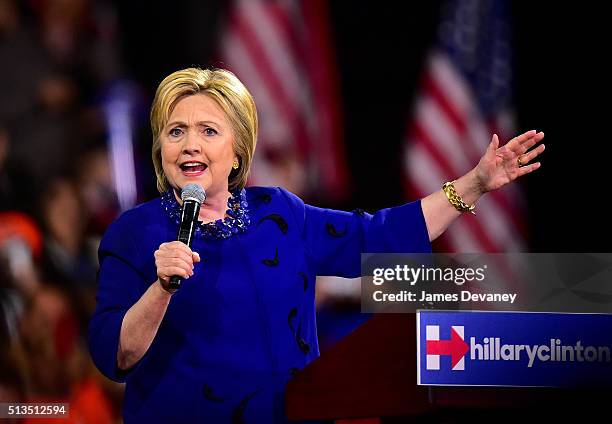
{"x":192,"y":195}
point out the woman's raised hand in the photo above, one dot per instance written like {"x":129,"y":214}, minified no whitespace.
{"x":501,"y":165}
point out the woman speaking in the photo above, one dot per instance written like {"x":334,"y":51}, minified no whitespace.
{"x":222,"y":347}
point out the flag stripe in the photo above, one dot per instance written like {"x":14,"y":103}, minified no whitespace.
{"x":432,"y":130}
{"x":445,"y":85}
{"x":280,"y":49}
{"x":237,"y":58}
{"x":271,"y":79}
{"x":458,"y":106}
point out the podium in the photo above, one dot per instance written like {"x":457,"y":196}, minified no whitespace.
{"x":372,"y":373}
{"x":369,"y":373}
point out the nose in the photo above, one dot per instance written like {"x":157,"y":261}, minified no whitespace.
{"x":191,"y":146}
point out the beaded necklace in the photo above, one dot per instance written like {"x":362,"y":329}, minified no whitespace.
{"x":236,"y":221}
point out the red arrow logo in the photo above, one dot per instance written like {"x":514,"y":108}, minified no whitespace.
{"x":456,"y":347}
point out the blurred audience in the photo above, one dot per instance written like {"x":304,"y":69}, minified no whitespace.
{"x":56,"y":199}
{"x":50,"y":336}
{"x":66,"y":259}
{"x":80,"y":37}
{"x":57,"y":196}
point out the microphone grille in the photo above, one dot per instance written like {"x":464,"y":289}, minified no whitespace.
{"x":193,"y":192}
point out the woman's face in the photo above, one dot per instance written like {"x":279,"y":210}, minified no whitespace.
{"x":197,"y":145}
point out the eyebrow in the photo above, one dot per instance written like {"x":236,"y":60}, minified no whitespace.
{"x":183,"y":124}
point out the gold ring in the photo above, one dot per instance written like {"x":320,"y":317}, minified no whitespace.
{"x":518,"y":160}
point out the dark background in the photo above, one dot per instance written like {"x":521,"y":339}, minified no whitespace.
{"x":561,"y":88}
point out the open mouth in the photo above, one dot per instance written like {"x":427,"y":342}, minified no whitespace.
{"x":193,"y":168}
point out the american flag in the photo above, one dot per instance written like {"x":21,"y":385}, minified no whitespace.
{"x":281,"y":50}
{"x":464,"y":97}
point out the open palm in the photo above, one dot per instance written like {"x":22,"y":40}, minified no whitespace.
{"x":501,"y":165}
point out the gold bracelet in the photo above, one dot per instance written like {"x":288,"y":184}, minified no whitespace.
{"x":455,"y":199}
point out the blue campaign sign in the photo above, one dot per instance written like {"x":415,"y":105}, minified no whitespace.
{"x":513,"y":349}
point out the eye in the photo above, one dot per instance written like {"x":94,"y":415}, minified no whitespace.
{"x":175,"y":132}
{"x":210,"y":131}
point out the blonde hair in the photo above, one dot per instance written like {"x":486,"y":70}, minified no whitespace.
{"x":230,"y":94}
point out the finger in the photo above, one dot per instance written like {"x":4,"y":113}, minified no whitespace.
{"x":175,"y":253}
{"x":171,"y":271}
{"x":491,"y":151}
{"x":520,"y":139}
{"x":175,"y":262}
{"x":163,"y":260}
{"x":528,"y":157}
{"x":526,"y":145}
{"x":196,"y":257}
{"x":185,"y":250}
{"x":167,"y":245}
{"x":530,"y":143}
{"x":178,"y":245}
{"x":528,"y":168}
{"x":494,"y":144}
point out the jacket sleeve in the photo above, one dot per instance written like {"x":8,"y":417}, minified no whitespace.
{"x":334,"y":240}
{"x":120,"y":285}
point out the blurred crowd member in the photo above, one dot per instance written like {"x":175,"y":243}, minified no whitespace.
{"x":80,"y":37}
{"x":96,"y":189}
{"x":25,"y":64}
{"x":58,"y":368}
{"x":75,"y":211}
{"x":32,"y":91}
{"x":67,"y":262}
{"x":62,"y":216}
{"x":12,"y":380}
{"x":20,"y":243}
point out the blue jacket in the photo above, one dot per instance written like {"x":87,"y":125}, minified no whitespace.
{"x":245,"y":322}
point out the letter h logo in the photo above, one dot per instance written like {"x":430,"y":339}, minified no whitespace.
{"x":456,"y":347}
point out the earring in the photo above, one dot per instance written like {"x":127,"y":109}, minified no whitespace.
{"x":235,"y":165}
